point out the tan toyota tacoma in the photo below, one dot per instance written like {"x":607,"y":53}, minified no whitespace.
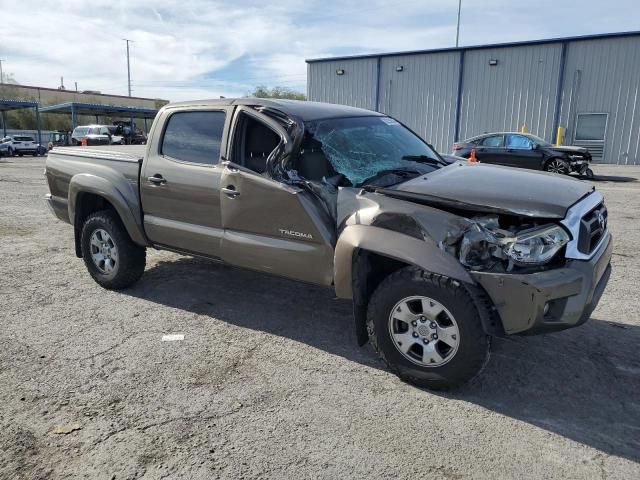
{"x":436,"y":258}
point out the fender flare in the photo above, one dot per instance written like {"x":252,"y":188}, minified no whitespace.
{"x":88,"y":183}
{"x":423,"y":254}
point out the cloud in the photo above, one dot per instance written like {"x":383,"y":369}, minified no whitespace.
{"x":198,"y":48}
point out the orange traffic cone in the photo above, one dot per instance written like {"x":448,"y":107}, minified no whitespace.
{"x":472,"y":157}
{"x":83,"y":142}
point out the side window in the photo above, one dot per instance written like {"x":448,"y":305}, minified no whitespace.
{"x":495,"y":141}
{"x":194,"y":136}
{"x":255,"y":142}
{"x":518,"y":141}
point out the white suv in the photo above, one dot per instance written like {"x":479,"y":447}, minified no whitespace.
{"x":21,"y":144}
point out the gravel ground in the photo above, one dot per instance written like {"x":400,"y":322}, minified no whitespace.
{"x":268,"y":382}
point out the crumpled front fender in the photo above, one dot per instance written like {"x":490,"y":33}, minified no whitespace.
{"x":424,"y":254}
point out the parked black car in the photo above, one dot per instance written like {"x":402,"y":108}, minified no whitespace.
{"x":525,"y":150}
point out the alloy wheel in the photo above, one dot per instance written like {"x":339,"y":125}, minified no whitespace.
{"x":424,"y":331}
{"x":556,"y":166}
{"x":104,"y":251}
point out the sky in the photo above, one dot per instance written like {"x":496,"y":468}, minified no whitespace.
{"x":194,"y":49}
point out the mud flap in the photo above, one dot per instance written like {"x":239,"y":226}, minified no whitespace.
{"x":360,"y":269}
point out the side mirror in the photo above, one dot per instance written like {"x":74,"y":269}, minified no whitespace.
{"x":535,"y":146}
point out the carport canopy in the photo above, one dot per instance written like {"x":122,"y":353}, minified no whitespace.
{"x":8,"y":105}
{"x":75,"y":108}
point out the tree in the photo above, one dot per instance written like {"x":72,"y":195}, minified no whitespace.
{"x":262,"y":91}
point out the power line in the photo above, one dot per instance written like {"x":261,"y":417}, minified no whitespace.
{"x":225,"y":79}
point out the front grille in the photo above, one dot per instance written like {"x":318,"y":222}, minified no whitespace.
{"x":593,"y":227}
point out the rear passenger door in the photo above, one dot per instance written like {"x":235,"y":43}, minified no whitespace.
{"x":490,"y":149}
{"x":180,"y":180}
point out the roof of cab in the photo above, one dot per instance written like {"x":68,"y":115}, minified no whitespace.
{"x":307,"y":111}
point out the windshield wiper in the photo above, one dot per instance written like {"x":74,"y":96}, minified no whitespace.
{"x":425,"y":159}
{"x":400,"y":172}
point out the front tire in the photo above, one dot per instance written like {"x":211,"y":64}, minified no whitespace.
{"x":557,"y":165}
{"x":111,"y":257}
{"x":589,"y":174}
{"x":427,"y":329}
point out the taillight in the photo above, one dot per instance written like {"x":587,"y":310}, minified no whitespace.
{"x":457,"y":147}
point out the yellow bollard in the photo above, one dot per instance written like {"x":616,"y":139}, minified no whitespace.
{"x":523,"y":129}
{"x":559,"y":136}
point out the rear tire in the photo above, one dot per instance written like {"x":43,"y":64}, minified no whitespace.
{"x":444,"y":348}
{"x":111,"y":257}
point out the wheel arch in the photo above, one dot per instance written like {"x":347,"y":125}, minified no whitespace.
{"x":89,"y":194}
{"x":365,"y":255}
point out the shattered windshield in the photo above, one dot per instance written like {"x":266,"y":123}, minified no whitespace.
{"x":364,"y":149}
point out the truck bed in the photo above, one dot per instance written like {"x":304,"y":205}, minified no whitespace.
{"x":114,"y":168}
{"x":133,"y":153}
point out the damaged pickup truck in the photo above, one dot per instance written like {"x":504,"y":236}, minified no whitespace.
{"x":435,"y":258}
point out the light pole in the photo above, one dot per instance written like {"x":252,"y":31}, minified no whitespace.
{"x":1,"y":74}
{"x":128,"y":66}
{"x":458,"y":24}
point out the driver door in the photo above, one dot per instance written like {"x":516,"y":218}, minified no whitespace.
{"x":271,"y":226}
{"x":520,"y":152}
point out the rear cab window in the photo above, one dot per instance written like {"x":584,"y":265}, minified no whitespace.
{"x":194,"y":137}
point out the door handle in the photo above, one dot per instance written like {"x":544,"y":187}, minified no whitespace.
{"x":157,"y":179}
{"x":230,"y":191}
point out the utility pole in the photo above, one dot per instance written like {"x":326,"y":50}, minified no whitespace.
{"x":1,"y":74}
{"x":128,"y":65}
{"x":458,"y":24}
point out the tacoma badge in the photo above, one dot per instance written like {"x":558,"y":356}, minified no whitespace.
{"x":293,"y":233}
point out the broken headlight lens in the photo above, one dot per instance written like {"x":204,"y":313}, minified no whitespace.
{"x":536,"y":246}
{"x":485,"y":244}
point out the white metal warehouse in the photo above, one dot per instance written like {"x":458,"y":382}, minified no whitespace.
{"x":586,"y":85}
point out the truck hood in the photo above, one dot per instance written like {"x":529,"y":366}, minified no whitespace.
{"x":493,"y":189}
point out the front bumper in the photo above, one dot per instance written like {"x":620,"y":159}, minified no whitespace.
{"x":570,"y":294}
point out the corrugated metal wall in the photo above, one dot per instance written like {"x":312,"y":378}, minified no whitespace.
{"x":423,"y":94}
{"x":603,"y":76}
{"x":600,"y":76}
{"x":519,"y":90}
{"x":357,"y":87}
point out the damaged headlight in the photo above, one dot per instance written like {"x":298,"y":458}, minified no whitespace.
{"x":536,"y":246}
{"x":485,"y":244}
